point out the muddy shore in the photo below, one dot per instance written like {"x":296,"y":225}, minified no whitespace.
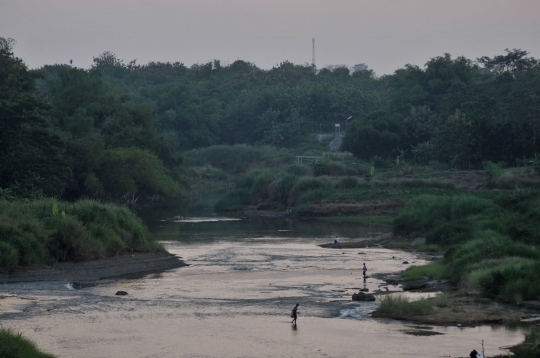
{"x":129,"y":264}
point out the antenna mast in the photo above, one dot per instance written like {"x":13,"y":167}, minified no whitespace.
{"x":313,"y":54}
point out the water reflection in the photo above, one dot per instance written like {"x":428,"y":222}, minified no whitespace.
{"x":234,"y":300}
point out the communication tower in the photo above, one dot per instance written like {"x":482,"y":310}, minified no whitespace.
{"x":313,"y":53}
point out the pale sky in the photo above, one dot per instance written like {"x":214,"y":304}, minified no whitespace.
{"x":384,"y":34}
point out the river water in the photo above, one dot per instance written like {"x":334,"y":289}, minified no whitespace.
{"x":234,"y":299}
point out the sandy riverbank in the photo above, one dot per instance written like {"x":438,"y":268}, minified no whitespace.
{"x":129,"y":264}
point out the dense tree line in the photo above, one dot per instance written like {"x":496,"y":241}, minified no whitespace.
{"x":64,"y":133}
{"x":454,"y":110}
{"x":72,"y":132}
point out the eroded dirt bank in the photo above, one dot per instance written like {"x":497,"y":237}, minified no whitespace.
{"x":129,"y":264}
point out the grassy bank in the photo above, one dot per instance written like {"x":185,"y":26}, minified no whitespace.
{"x":491,"y":244}
{"x":47,"y":231}
{"x":14,"y":345}
{"x":399,"y":306}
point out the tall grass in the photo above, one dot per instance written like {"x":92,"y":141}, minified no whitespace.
{"x":46,"y":231}
{"x":435,"y":270}
{"x":427,"y":211}
{"x":14,"y":345}
{"x":399,"y":306}
{"x":304,"y":185}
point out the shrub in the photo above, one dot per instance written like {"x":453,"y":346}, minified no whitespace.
{"x":305,"y":184}
{"x":209,"y":172}
{"x":14,"y":345}
{"x":436,"y":270}
{"x":347,"y":183}
{"x":45,"y":231}
{"x":451,"y":232}
{"x":234,"y":199}
{"x":298,"y":170}
{"x":330,"y":168}
{"x":399,"y":306}
{"x":425,"y":212}
{"x":261,"y":185}
{"x":310,"y":196}
{"x":442,"y":300}
{"x":281,"y":188}
{"x":234,"y":159}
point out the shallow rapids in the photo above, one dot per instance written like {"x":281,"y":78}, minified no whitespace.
{"x":234,"y":300}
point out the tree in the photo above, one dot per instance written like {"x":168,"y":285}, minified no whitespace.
{"x":31,"y":151}
{"x":514,"y":61}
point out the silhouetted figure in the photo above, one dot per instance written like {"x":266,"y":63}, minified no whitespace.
{"x":70,"y":62}
{"x":294,"y":314}
{"x":364,"y":269}
{"x":336,"y":240}
{"x":473,"y":354}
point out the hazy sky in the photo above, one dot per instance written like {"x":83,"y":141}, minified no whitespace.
{"x":384,"y":34}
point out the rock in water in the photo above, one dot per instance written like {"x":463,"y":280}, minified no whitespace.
{"x":361,"y":296}
{"x":121,"y":293}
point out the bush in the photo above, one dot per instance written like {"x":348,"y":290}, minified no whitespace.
{"x":311,"y":196}
{"x":233,"y":159}
{"x":486,"y":245}
{"x":347,"y":183}
{"x":234,"y":199}
{"x":426,"y":212}
{"x":436,"y":270}
{"x":451,"y":232}
{"x":14,"y":345}
{"x":304,"y":185}
{"x":399,"y":306}
{"x":46,"y":231}
{"x":281,"y":188}
{"x":298,"y":170}
{"x":330,"y":168}
{"x":209,"y":172}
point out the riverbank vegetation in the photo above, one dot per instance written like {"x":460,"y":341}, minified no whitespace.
{"x":47,"y":231}
{"x":399,"y":306}
{"x":14,"y":345}
{"x":491,"y":244}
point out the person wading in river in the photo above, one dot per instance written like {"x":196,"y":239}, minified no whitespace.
{"x":294,"y":314}
{"x":364,"y":269}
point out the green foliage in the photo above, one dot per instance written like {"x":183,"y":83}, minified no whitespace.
{"x":127,"y":173}
{"x":426,"y":212}
{"x":435,"y":270}
{"x":331,"y":168}
{"x":14,"y":345}
{"x":304,"y":185}
{"x":46,"y":231}
{"x":347,"y":183}
{"x":211,"y":173}
{"x":298,"y":170}
{"x":234,"y":199}
{"x":232,"y":159}
{"x":281,"y":188}
{"x":399,"y":306}
{"x":376,"y":134}
{"x":310,"y":196}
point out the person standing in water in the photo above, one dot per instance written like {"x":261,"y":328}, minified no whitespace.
{"x":364,"y":269}
{"x":294,"y":314}
{"x":336,"y":240}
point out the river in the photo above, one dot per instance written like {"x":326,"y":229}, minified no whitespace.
{"x":234,"y":299}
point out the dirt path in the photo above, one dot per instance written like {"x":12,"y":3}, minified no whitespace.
{"x":137,"y":263}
